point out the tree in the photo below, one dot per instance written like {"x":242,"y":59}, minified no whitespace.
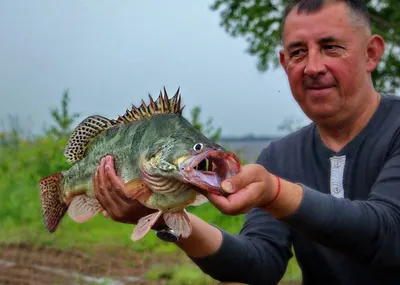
{"x":63,"y":119}
{"x":259,"y":22}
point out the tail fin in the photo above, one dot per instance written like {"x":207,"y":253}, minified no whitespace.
{"x":53,"y":207}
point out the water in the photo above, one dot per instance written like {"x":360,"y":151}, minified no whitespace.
{"x":247,"y":150}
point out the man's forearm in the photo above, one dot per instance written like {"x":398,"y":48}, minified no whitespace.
{"x":204,"y":240}
{"x":366,"y":230}
{"x":258,"y":255}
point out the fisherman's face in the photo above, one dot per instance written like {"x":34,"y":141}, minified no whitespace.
{"x":326,"y":58}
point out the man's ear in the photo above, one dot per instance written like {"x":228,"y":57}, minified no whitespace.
{"x":282,"y":59}
{"x":375,"y":50}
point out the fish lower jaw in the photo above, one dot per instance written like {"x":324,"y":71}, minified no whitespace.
{"x":204,"y":182}
{"x":207,"y":170}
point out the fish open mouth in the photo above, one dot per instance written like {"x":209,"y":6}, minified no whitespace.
{"x":209,"y":168}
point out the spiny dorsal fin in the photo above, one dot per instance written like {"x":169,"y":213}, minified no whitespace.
{"x":163,"y":105}
{"x":93,"y":126}
{"x":83,"y":134}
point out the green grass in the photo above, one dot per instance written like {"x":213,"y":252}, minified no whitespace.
{"x":190,"y":274}
{"x":178,"y":274}
{"x":292,"y":271}
{"x":23,"y":163}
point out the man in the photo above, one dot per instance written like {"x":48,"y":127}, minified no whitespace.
{"x":336,"y":193}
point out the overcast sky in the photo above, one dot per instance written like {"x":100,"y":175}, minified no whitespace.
{"x":111,"y":54}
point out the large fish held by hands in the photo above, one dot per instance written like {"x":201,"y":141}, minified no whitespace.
{"x":163,"y":160}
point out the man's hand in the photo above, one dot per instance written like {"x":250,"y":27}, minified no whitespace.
{"x":252,"y":187}
{"x":108,"y":191}
{"x":255,"y":187}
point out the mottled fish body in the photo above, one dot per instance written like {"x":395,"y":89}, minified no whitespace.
{"x":161,"y":158}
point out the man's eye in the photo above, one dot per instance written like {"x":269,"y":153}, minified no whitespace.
{"x":297,"y":53}
{"x":330,"y":47}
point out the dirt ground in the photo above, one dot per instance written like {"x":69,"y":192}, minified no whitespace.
{"x":27,"y":264}
{"x":33,"y":265}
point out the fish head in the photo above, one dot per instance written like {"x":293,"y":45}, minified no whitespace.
{"x":207,"y":166}
{"x":190,"y":157}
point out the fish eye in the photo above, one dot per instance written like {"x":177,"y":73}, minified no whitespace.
{"x":198,"y":146}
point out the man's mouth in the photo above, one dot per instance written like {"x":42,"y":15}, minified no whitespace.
{"x":318,"y":87}
{"x":208,"y":169}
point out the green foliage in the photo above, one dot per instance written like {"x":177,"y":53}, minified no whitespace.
{"x":259,"y":22}
{"x":13,"y":137}
{"x":20,"y":169}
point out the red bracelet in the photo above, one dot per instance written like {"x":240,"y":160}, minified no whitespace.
{"x":276,"y":195}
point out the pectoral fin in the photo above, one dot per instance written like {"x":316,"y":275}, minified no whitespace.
{"x":179,"y":222}
{"x":144,"y":225}
{"x":136,"y":188}
{"x":83,"y":208}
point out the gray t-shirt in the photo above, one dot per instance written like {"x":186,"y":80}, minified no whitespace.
{"x":347,"y":228}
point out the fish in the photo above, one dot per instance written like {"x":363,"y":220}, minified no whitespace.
{"x":163,"y":161}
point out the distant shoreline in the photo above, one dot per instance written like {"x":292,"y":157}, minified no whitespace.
{"x":249,"y":138}
{"x":247,"y":147}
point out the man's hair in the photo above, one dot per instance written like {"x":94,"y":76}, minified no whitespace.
{"x":357,"y":7}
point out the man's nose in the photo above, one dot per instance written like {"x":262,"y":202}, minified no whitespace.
{"x":314,"y":65}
